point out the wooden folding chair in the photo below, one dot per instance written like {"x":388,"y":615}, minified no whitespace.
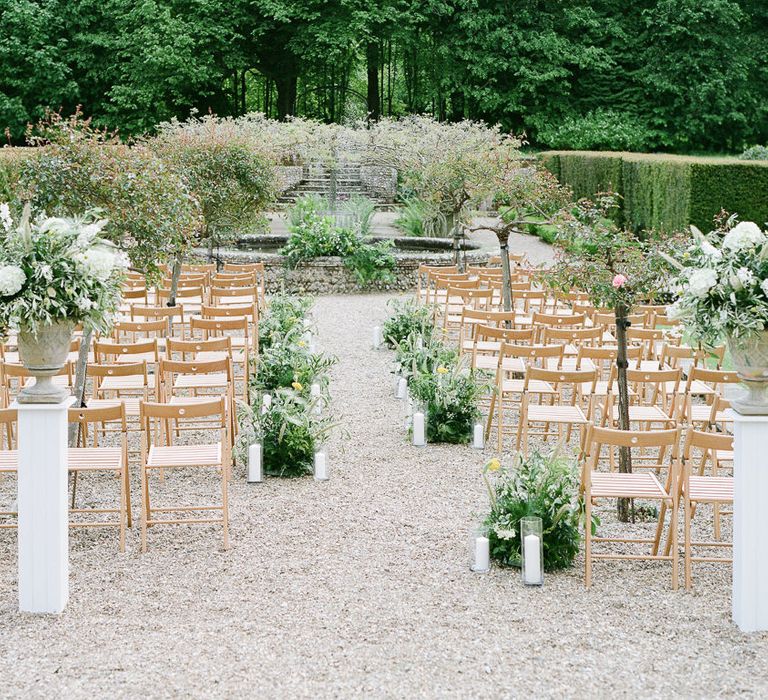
{"x":158,"y":456}
{"x":598,"y":485}
{"x":175,"y":316}
{"x":85,"y":459}
{"x":564,"y":410}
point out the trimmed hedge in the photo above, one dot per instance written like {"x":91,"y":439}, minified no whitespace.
{"x":667,"y":192}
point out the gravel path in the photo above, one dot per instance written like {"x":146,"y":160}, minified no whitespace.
{"x":360,"y":585}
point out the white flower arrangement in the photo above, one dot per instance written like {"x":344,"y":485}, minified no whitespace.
{"x":723,"y":283}
{"x":52,"y":269}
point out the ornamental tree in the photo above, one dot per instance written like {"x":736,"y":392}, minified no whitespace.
{"x":618,"y":270}
{"x":230,"y":175}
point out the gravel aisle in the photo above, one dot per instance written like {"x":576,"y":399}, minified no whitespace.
{"x":360,"y":585}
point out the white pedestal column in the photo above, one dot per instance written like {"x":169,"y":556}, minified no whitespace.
{"x":42,"y":503}
{"x":750,"y":523}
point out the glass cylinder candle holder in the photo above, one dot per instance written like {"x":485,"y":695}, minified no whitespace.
{"x":479,"y":550}
{"x":377,"y":337}
{"x":478,"y":436}
{"x":255,"y":463}
{"x":402,"y":388}
{"x":419,"y":426}
{"x":321,"y":464}
{"x":532,"y":551}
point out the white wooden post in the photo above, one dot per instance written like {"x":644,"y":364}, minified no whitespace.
{"x":750,"y":522}
{"x":42,"y":502}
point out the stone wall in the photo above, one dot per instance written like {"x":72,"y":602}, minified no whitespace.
{"x":330,"y":276}
{"x":380,"y":181}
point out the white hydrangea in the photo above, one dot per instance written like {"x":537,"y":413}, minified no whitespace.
{"x":675,"y":311}
{"x":746,"y":276}
{"x":710,"y":251}
{"x":746,"y":234}
{"x":85,"y":304}
{"x":98,"y":262}
{"x":5,"y":216}
{"x":122,"y":260}
{"x":701,"y":281}
{"x":89,"y":232}
{"x":12,"y":279}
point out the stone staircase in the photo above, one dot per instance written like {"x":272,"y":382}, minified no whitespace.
{"x":317,"y":179}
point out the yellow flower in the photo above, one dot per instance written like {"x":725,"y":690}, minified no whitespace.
{"x":494,"y":465}
{"x":297,"y":385}
{"x":301,"y":344}
{"x":442,"y":370}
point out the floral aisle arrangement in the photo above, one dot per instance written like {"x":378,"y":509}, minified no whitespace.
{"x":439,"y":383}
{"x":723,"y":295}
{"x":55,"y":273}
{"x":540,"y":485}
{"x":293,"y":423}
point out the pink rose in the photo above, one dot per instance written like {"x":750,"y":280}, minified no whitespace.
{"x":619,"y":281}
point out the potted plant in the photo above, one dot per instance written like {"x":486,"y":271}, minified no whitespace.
{"x":55,"y":273}
{"x":723,"y":287}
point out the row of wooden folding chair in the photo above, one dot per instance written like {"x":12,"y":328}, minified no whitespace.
{"x":158,"y":454}
{"x":685,"y":484}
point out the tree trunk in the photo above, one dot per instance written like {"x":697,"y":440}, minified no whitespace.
{"x":175,"y":274}
{"x":506,"y":273}
{"x":625,"y":456}
{"x":81,"y":374}
{"x":286,"y":95}
{"x":372,"y":61}
{"x":243,"y":86}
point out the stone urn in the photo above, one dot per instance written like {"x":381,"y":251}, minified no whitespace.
{"x":749,"y":354}
{"x":44,"y":353}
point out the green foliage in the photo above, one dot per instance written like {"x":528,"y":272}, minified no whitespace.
{"x":419,"y":218}
{"x":230,"y":177}
{"x":538,"y":485}
{"x":289,"y":363}
{"x":407,"y":319}
{"x":315,"y":236}
{"x":449,"y":395}
{"x":290,"y":431}
{"x":667,"y":193}
{"x":76,"y":167}
{"x":357,"y":213}
{"x":305,"y":208}
{"x":599,"y":130}
{"x":284,"y":317}
{"x":755,"y":153}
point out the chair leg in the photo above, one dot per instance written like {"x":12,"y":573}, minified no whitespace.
{"x":489,"y":422}
{"x":687,"y":543}
{"x":500,"y":426}
{"x":145,"y":510}
{"x":127,"y":486}
{"x":225,"y":503}
{"x":588,"y":538}
{"x":122,"y":510}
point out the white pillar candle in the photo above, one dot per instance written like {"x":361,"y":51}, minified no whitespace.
{"x":266,"y":402}
{"x":255,"y":473}
{"x":402,"y":388}
{"x":478,"y":441}
{"x":377,"y":339}
{"x":419,"y":343}
{"x":532,"y":556}
{"x":321,"y":467}
{"x":482,"y":554}
{"x":419,"y":436}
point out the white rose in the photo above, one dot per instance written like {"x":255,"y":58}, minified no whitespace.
{"x":701,"y":281}
{"x":12,"y":279}
{"x":675,"y":311}
{"x":746,"y":234}
{"x":5,"y":217}
{"x":97,"y":262}
{"x":710,"y":251}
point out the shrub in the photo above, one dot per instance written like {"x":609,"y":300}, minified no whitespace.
{"x":667,"y":192}
{"x":289,"y":363}
{"x":290,"y":431}
{"x":540,"y":485}
{"x":420,"y":218}
{"x":285,"y":314}
{"x":407,"y":319}
{"x":599,"y":130}
{"x":450,"y":395}
{"x":314,"y":236}
{"x":755,"y":153}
